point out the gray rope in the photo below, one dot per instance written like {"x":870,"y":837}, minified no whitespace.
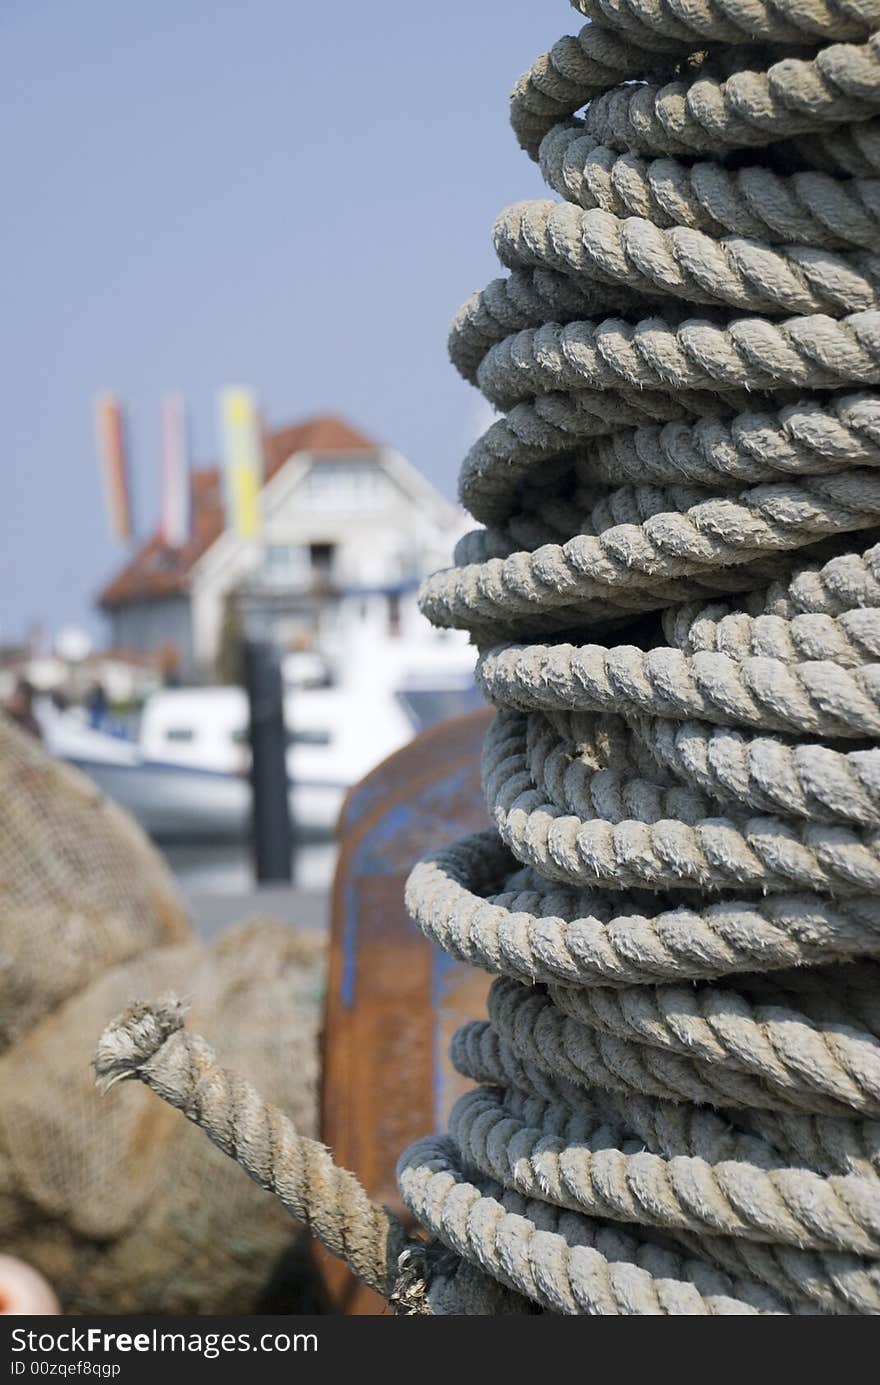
{"x":807,"y":208}
{"x":148,"y":1043}
{"x":678,"y":1099}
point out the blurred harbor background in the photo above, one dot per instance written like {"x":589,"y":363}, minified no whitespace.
{"x":228,"y":276}
{"x":318,"y":559}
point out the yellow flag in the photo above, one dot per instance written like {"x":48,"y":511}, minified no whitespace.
{"x":243,"y":461}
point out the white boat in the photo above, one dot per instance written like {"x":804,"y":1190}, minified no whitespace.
{"x":185,"y":777}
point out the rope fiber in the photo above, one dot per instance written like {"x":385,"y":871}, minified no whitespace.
{"x":676,"y":598}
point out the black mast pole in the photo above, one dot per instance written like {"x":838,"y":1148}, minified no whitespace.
{"x":268,"y":737}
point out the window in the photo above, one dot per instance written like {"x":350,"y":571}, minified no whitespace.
{"x":393,"y":615}
{"x":341,"y":485}
{"x":285,"y":565}
{"x":321,"y":557}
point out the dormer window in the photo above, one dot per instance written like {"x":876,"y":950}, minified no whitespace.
{"x":344,"y":485}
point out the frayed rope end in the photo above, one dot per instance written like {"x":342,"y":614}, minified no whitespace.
{"x":133,"y":1037}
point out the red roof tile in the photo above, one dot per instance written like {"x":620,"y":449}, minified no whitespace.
{"x":156,"y":571}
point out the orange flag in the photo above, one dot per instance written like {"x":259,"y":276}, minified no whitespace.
{"x":113,"y":453}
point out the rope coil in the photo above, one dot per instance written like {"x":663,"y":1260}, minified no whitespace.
{"x":680,"y":1075}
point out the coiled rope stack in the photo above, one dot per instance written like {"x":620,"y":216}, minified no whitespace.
{"x":677,"y":599}
{"x":676,"y":594}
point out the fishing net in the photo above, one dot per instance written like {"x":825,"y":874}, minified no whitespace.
{"x":81,"y":888}
{"x":118,"y":1203}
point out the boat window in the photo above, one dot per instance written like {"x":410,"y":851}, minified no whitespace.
{"x":181,"y":734}
{"x":309,"y":735}
{"x":304,"y":735}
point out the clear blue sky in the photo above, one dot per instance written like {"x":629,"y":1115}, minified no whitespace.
{"x":197,"y":192}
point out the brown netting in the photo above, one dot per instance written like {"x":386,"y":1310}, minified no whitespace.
{"x":80,"y":886}
{"x":119,"y":1203}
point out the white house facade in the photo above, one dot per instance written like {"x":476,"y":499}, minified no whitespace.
{"x":349,"y":528}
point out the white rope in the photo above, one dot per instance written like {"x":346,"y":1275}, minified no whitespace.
{"x":677,"y":601}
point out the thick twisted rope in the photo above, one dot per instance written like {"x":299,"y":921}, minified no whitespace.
{"x":807,"y":208}
{"x":753,"y":106}
{"x":680,"y":1074}
{"x":148,"y":1043}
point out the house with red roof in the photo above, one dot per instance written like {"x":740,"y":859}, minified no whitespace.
{"x":345,"y":519}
